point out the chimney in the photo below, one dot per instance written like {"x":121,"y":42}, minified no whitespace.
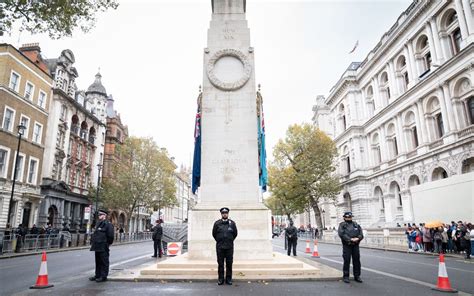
{"x":33,"y":52}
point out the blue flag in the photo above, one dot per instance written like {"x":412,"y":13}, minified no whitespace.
{"x":196,"y":182}
{"x":262,"y":154}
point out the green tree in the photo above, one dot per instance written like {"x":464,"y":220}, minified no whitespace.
{"x":143,"y":178}
{"x":58,"y":18}
{"x":309,"y":155}
{"x":286,"y":192}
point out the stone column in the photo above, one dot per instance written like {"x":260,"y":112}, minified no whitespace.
{"x":420,"y":122}
{"x":434,"y":53}
{"x":402,"y":143}
{"x":469,"y":16}
{"x":411,"y":57}
{"x":446,"y":117}
{"x":392,"y":81}
{"x":411,"y":72}
{"x":377,"y":97}
{"x":444,"y":89}
{"x":383,"y":144}
{"x":407,"y":205}
{"x":462,"y":20}
{"x":441,"y":58}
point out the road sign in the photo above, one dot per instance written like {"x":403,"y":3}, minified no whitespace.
{"x":174,"y":249}
{"x":87,"y":212}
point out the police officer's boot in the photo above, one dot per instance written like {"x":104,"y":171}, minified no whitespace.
{"x":220,"y":282}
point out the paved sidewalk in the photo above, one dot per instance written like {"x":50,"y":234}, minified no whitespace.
{"x":399,"y":250}
{"x":14,"y":255}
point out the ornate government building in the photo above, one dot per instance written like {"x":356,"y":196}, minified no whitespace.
{"x":405,"y":116}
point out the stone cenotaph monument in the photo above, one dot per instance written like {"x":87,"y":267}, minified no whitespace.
{"x":229,"y":135}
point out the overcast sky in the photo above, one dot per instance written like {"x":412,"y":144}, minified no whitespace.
{"x":150,"y":58}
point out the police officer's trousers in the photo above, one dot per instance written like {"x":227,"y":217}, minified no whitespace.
{"x":292,"y":244}
{"x":157,"y":246}
{"x":349,"y":251}
{"x":101,"y":264}
{"x":228,"y":256}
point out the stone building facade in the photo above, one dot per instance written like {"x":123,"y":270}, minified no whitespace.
{"x":405,"y":115}
{"x":75,"y":147}
{"x":115,"y":135}
{"x":25,"y":94}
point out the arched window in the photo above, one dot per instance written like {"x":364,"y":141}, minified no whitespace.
{"x":342,"y":114}
{"x":411,"y":130}
{"x":384,"y":85}
{"x":379,"y":195}
{"x":395,"y":190}
{"x":438,"y":174}
{"x":370,"y":101}
{"x":348,"y":201}
{"x":470,"y":106}
{"x":402,"y":72}
{"x":392,"y":139}
{"x":468,"y":165}
{"x":376,"y":149}
{"x":435,"y":118}
{"x":450,"y":25}
{"x":413,"y":181}
{"x":345,"y":159}
{"x":423,"y":53}
{"x":84,"y":130}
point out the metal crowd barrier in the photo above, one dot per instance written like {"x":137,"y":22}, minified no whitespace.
{"x":37,"y":242}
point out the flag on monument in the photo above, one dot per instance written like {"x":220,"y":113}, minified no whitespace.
{"x":196,"y":182}
{"x":262,"y":163}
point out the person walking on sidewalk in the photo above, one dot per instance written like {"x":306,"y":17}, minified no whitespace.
{"x":101,"y":239}
{"x":351,"y":235}
{"x":157,"y":235}
{"x":291,"y":235}
{"x":224,"y":232}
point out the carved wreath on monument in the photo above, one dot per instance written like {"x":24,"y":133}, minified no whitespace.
{"x":234,"y":85}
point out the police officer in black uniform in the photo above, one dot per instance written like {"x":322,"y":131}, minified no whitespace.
{"x":224,"y":232}
{"x":351,"y":235}
{"x":157,"y":235}
{"x":101,"y":239}
{"x":291,"y":234}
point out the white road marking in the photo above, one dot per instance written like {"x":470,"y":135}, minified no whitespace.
{"x":388,"y":274}
{"x":123,"y":262}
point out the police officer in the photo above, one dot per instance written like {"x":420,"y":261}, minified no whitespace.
{"x":224,"y":232}
{"x":291,"y":235}
{"x":157,"y":235}
{"x":101,"y":239}
{"x":351,"y":234}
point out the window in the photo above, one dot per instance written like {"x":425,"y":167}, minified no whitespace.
{"x":42,"y":99}
{"x":439,"y":124}
{"x":69,"y":148}
{"x":29,"y":90}
{"x":32,"y":170}
{"x":470,"y":106}
{"x":68,"y":177}
{"x":37,"y":133}
{"x":60,"y":139}
{"x":77,"y":177}
{"x":388,"y":92}
{"x":19,"y":168}
{"x":8,"y":118}
{"x":344,"y":123}
{"x":348,"y":164}
{"x":3,"y":162}
{"x":395,"y":146}
{"x":428,"y":61}
{"x":79,"y":151}
{"x":415,"y":136}
{"x":63,"y":112}
{"x":406,"y":79}
{"x":119,"y":135}
{"x":15,"y":81}
{"x":25,"y":121}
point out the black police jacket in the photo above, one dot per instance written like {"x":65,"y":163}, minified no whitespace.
{"x":348,"y":230}
{"x":102,"y":237}
{"x":291,"y":233}
{"x":224,"y":232}
{"x":157,"y":232}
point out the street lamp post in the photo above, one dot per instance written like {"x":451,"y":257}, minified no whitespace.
{"x":21,"y":130}
{"x":99,"y":166}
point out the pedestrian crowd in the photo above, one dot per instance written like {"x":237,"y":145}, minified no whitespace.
{"x":445,"y":238}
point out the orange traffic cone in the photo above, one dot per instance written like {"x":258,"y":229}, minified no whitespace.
{"x":42,"y":281}
{"x":308,"y":249}
{"x":443,"y":281}
{"x":315,"y":249}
